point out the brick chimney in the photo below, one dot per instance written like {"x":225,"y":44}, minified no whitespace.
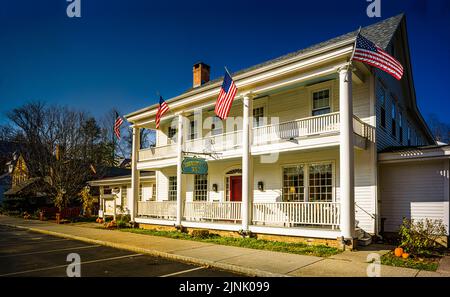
{"x":201,"y":74}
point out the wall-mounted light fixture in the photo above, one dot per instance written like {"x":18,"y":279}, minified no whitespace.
{"x":214,"y":187}
{"x":261,"y":185}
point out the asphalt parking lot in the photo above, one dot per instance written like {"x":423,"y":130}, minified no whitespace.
{"x":29,"y":254}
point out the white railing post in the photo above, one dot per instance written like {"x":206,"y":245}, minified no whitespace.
{"x":180,"y":133}
{"x":347,"y":195}
{"x":247,"y":170}
{"x":136,"y":144}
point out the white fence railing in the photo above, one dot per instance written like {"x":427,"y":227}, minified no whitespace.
{"x":158,"y":209}
{"x":212,"y":211}
{"x":215,"y":143}
{"x":297,"y":213}
{"x":276,"y":132}
{"x":298,"y":128}
{"x":363,"y":129}
{"x":164,"y":151}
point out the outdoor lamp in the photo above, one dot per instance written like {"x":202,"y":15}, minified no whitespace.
{"x":214,"y":187}
{"x":261,"y":185}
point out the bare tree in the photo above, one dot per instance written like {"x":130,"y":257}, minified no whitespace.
{"x":60,"y":145}
{"x":440,"y":130}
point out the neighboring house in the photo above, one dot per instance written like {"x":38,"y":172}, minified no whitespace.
{"x":304,"y":161}
{"x":33,"y":189}
{"x":114,"y":193}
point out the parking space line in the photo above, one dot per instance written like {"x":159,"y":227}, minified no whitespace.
{"x":50,"y":251}
{"x":182,"y":272}
{"x":33,"y":242}
{"x":65,"y":265}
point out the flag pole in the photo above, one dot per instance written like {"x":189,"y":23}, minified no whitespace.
{"x":240,"y":96}
{"x":354,"y":45}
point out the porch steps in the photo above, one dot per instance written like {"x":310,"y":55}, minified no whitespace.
{"x":364,"y":239}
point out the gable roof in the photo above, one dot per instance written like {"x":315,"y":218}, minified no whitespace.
{"x":380,"y":33}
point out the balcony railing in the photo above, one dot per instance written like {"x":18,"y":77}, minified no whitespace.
{"x":298,"y":128}
{"x":158,"y":209}
{"x":215,"y":143}
{"x":164,"y":151}
{"x":307,"y":127}
{"x":228,"y":211}
{"x":290,"y":214}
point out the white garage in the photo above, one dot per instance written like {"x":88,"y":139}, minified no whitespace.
{"x":414,"y":183}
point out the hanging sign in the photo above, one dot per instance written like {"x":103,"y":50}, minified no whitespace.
{"x":191,"y":165}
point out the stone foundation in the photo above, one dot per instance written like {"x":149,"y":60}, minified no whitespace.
{"x":336,"y":243}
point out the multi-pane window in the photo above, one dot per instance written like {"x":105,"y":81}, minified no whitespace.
{"x":124,"y":196}
{"x":321,"y":102}
{"x":153,"y":192}
{"x":382,"y":108}
{"x":216,"y":126}
{"x":294,"y":183}
{"x":258,"y":116}
{"x":400,"y":127}
{"x":193,"y":133}
{"x":409,"y":134}
{"x":172,"y":188}
{"x":227,"y":188}
{"x":200,"y":187}
{"x":320,"y":183}
{"x":171,"y":134}
{"x":394,"y":119}
{"x":140,"y":192}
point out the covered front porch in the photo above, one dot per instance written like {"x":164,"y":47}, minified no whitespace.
{"x":323,"y":215}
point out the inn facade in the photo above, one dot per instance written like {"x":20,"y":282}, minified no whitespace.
{"x":314,"y":148}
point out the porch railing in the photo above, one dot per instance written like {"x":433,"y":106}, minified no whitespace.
{"x":164,"y":151}
{"x":363,"y":129}
{"x":158,"y":209}
{"x":212,"y":211}
{"x":275,"y":132}
{"x":298,"y":128}
{"x":215,"y":143}
{"x":289,"y":214}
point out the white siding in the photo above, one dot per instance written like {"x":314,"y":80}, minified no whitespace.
{"x":271,"y":175}
{"x":413,"y":190}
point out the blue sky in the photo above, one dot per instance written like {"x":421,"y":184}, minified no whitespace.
{"x":120,"y":53}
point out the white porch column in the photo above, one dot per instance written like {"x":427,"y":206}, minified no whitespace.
{"x":179,"y":161}
{"x":247,"y":168}
{"x":347,"y":170}
{"x":135,"y":172}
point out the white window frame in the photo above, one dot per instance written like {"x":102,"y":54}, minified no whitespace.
{"x":330,"y":99}
{"x":203,"y":192}
{"x":172,"y":190}
{"x":171,"y":139}
{"x":306,"y":174}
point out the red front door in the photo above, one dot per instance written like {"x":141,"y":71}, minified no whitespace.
{"x":236,"y":188}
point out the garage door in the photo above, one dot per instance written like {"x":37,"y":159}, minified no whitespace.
{"x":413,"y":190}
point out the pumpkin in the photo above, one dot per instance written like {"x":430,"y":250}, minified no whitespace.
{"x":405,"y":255}
{"x":398,"y":252}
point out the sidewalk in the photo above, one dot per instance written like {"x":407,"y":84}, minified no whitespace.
{"x":241,"y":260}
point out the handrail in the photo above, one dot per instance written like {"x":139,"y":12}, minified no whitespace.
{"x":296,"y":120}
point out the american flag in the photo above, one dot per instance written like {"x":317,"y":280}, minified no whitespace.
{"x":117,"y":124}
{"x":162,"y":109}
{"x":226,"y":96}
{"x":367,"y":52}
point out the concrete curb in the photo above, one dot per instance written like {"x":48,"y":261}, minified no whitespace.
{"x":186,"y":259}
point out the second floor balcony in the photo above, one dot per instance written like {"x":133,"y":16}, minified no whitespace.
{"x":290,"y":135}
